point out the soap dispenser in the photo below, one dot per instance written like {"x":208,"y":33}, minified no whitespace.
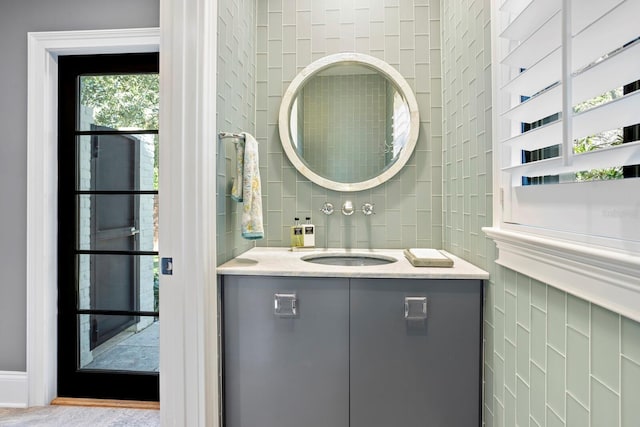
{"x":309,"y":234}
{"x":297,"y":234}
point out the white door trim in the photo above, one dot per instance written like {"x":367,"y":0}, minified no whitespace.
{"x":42,"y":191}
{"x":188,"y":212}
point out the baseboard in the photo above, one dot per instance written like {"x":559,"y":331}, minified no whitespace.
{"x":13,"y":389}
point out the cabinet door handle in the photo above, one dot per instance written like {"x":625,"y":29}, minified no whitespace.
{"x":285,"y":305}
{"x":415,"y":308}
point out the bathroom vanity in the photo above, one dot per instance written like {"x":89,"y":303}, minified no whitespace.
{"x":316,"y":345}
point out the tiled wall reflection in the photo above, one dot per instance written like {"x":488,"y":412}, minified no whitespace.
{"x":235,"y":109}
{"x":406,"y":34}
{"x":345,"y":126}
{"x":551,"y":359}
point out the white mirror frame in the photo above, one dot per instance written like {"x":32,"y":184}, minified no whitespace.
{"x":312,"y":69}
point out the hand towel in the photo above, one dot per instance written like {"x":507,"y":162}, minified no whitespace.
{"x":236,"y":189}
{"x":252,"y":227}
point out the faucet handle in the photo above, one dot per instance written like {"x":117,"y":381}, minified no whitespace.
{"x":327,"y":208}
{"x":367,"y":209}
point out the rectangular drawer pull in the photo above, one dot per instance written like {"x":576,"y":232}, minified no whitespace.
{"x":285,"y":305}
{"x":415,"y":308}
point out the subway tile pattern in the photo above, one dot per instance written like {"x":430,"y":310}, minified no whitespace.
{"x":550,"y":358}
{"x":575,"y":364}
{"x":235,"y":112}
{"x":329,"y":141}
{"x":290,"y":35}
{"x":467,"y":129}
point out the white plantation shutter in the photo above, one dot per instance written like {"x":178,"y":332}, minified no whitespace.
{"x":549,"y":57}
{"x":556,"y":55}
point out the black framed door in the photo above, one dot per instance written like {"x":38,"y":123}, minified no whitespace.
{"x":108,"y":319}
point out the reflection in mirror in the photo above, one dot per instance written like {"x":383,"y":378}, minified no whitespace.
{"x":349,"y":122}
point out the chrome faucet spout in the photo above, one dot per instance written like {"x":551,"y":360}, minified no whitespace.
{"x":347,"y":208}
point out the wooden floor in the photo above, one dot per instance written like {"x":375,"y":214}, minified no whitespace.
{"x":105,"y":403}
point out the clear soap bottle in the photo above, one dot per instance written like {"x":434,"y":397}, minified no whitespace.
{"x":297,"y":234}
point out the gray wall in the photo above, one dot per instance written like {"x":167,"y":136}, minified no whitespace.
{"x":550,"y":358}
{"x":406,"y":34}
{"x":16,"y":19}
{"x":235,"y":112}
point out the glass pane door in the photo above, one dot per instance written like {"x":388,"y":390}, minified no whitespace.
{"x":108,"y":283}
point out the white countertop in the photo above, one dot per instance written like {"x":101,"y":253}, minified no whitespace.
{"x":262,"y":261}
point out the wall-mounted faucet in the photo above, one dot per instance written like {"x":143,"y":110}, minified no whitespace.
{"x":347,"y":208}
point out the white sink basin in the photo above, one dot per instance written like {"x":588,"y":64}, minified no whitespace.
{"x":349,"y":259}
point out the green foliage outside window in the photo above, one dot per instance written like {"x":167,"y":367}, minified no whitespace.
{"x":601,"y":140}
{"x":122,"y":101}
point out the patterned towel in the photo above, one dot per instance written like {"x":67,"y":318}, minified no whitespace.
{"x":236,"y":189}
{"x":252,"y":227}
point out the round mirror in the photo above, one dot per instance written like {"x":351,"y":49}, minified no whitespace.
{"x":349,"y":122}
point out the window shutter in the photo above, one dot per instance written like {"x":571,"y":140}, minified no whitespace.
{"x":555,"y":58}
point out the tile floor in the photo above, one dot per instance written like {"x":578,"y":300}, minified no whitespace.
{"x":132,"y":352}
{"x":72,"y":416}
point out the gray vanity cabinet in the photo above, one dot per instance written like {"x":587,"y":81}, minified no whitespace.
{"x":357,"y":352}
{"x":283,"y":369}
{"x":421,"y":371}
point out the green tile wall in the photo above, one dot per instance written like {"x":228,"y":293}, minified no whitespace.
{"x":578,"y":369}
{"x":631,"y":340}
{"x":630,"y":397}
{"x":577,"y":415}
{"x":406,"y":34}
{"x":553,"y":359}
{"x":605,"y":347}
{"x":556,"y":384}
{"x":235,"y":112}
{"x":583,"y":361}
{"x":604,"y":411}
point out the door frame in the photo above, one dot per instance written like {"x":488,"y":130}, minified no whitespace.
{"x":118,"y":214}
{"x":189,"y":299}
{"x":189,"y":357}
{"x":42,"y":186}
